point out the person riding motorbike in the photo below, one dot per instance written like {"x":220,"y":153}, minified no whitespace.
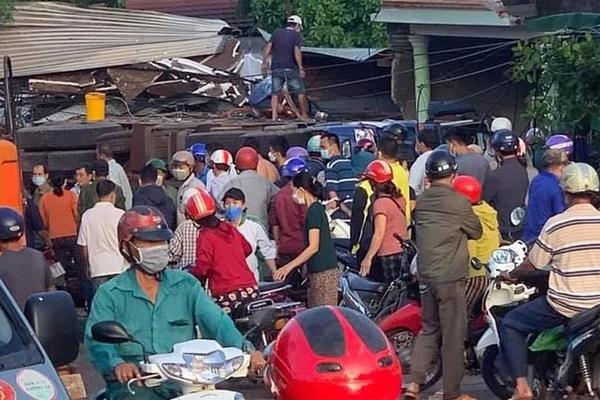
{"x":221,"y":253}
{"x":482,"y":248}
{"x":384,"y":256}
{"x":506,"y":187}
{"x":570,"y":244}
{"x":445,"y":221}
{"x":160,"y":307}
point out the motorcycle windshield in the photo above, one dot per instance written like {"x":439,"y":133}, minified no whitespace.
{"x":550,"y":340}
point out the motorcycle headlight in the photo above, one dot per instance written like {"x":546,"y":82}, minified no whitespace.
{"x":207,"y":369}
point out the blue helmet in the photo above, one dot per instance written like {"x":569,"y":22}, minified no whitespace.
{"x":198,"y":150}
{"x":293,"y":167}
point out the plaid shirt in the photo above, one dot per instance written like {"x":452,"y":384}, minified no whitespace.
{"x":182,"y":248}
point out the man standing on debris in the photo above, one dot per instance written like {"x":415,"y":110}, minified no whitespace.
{"x":284,"y":48}
{"x":116,"y":173}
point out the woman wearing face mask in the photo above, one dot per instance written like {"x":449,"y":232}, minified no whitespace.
{"x":319,"y":254}
{"x":223,"y":171}
{"x":234,"y":204}
{"x":182,"y":168}
{"x":221,"y":253}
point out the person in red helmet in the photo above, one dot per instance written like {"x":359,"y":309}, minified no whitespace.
{"x":482,"y":248}
{"x":333,"y":353}
{"x":158,"y":306}
{"x":387,"y":217}
{"x":221,"y":253}
{"x":364,"y":154}
{"x":258,"y":190}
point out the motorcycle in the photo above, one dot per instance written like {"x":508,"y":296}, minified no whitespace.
{"x":375,"y":299}
{"x":194,"y":366}
{"x":564,"y":362}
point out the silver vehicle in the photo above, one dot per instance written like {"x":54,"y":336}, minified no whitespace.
{"x":31,"y":347}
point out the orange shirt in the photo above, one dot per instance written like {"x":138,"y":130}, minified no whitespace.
{"x":267,"y":170}
{"x":59,"y":214}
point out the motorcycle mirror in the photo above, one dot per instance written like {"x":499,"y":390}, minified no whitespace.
{"x":476,"y":264}
{"x":110,"y":332}
{"x":517,"y":216}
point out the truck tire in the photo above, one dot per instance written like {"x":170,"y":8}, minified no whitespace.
{"x":63,"y":136}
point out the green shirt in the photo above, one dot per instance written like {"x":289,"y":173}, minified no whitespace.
{"x":181,"y":304}
{"x":88,"y":197}
{"x":325,"y":258}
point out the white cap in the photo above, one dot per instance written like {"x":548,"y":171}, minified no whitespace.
{"x":501,"y":123}
{"x":294,"y":19}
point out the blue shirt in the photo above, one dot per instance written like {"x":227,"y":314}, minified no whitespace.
{"x":340,"y":177}
{"x":546,"y":199}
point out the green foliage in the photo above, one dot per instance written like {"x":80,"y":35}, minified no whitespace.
{"x":6,"y":7}
{"x":328,"y":23}
{"x":564,"y":72}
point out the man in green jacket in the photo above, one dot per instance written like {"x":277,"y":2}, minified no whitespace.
{"x":159,"y":307}
{"x":88,"y":196}
{"x":444,"y":223}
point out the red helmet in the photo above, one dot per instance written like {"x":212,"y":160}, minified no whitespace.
{"x":333,"y":353}
{"x":469,"y":187}
{"x":144,"y":223}
{"x":365,"y":145}
{"x":198,"y":203}
{"x":379,"y":171}
{"x":246,"y":158}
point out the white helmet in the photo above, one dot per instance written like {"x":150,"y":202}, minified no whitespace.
{"x":221,"y":157}
{"x":501,"y":123}
{"x":507,"y":258}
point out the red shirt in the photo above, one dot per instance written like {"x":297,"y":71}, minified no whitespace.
{"x":289,"y":217}
{"x":221,"y":257}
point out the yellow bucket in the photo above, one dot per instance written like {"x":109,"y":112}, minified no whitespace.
{"x":95,"y":106}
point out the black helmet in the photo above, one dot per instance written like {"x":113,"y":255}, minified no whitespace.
{"x":396,"y":130}
{"x":440,"y":164}
{"x":505,"y":142}
{"x":11,"y":224}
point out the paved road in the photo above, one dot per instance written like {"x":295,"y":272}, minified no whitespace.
{"x":472,"y":385}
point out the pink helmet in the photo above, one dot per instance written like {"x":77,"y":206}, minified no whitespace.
{"x":560,"y":142}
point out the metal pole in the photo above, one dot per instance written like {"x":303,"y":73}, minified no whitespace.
{"x":9,"y":106}
{"x":422,"y":82}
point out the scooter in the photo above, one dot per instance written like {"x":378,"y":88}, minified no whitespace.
{"x":564,"y":362}
{"x":195,"y":366}
{"x":377,"y":300}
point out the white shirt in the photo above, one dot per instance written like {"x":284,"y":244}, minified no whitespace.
{"x":117,"y":174}
{"x":416,"y":176}
{"x":216,"y":184}
{"x":190,"y":182}
{"x":255,"y":234}
{"x":98,"y":232}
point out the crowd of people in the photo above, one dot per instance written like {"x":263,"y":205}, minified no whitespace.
{"x":209,"y":223}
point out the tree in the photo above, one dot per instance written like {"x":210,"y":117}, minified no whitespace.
{"x":564,"y":72}
{"x":328,"y":23}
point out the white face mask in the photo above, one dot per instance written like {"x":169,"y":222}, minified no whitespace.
{"x":153,"y":260}
{"x":272,"y":157}
{"x":38,"y":180}
{"x":180,"y":174}
{"x":325,"y":154}
{"x":159,"y":180}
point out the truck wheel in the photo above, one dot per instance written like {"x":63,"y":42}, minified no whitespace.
{"x":402,"y":341}
{"x":493,"y":375}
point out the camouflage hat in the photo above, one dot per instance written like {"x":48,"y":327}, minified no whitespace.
{"x":579,"y":178}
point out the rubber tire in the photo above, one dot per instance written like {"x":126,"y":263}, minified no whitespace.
{"x":432,"y":378}
{"x":488,"y":369}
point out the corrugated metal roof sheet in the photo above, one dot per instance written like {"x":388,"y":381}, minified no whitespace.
{"x":48,"y":37}
{"x":222,"y":9}
{"x":448,"y":4}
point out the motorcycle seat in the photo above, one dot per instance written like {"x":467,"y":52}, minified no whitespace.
{"x":361,"y":284}
{"x":583,"y":321}
{"x":270,"y":286}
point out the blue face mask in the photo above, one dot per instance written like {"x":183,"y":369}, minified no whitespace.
{"x":234,"y":213}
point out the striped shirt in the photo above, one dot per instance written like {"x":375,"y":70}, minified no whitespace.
{"x":570,"y":245}
{"x":341,"y":178}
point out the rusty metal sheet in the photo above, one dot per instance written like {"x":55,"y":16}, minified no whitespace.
{"x":132,"y":82}
{"x":171,"y":88}
{"x":228,"y":59}
{"x":71,"y":83}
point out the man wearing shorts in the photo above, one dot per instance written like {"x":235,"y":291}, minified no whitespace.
{"x":284,"y":48}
